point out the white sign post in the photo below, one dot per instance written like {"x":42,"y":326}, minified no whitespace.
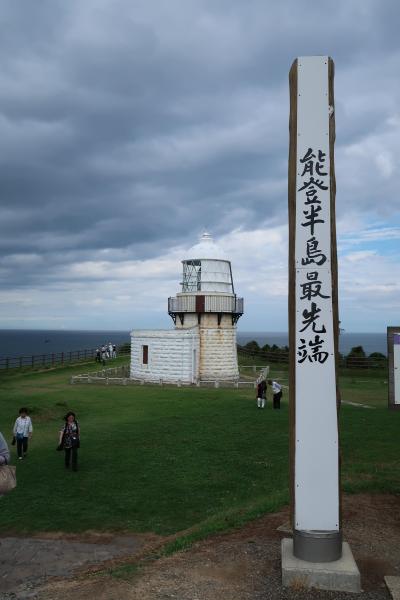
{"x":313,"y":318}
{"x":393,"y":339}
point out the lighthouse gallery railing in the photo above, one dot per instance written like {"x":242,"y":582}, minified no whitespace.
{"x":212,"y":303}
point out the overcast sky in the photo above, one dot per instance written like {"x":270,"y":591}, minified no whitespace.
{"x":127,"y":128}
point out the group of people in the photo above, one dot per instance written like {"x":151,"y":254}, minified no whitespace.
{"x":69,"y":434}
{"x":68,"y":440}
{"x":262,"y":393}
{"x":105,"y":352}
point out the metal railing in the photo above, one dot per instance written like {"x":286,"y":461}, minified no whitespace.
{"x":212,"y":303}
{"x":53,"y":359}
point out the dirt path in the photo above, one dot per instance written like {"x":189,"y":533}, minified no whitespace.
{"x":245,"y":564}
{"x":25,"y":563}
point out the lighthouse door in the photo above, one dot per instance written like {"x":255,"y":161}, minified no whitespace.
{"x":200,"y":304}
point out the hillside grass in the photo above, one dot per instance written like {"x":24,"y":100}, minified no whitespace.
{"x":166,"y":459}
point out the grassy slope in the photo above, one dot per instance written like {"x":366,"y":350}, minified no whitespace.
{"x":164,"y":459}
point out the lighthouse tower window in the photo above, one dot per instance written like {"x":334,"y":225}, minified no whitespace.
{"x":145,"y":355}
{"x":191,"y":276}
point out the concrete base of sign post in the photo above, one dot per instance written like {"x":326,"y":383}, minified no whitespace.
{"x":393,"y":584}
{"x":340,"y":575}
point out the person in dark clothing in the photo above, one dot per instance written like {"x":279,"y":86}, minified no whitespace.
{"x":261,"y":393}
{"x":69,"y":440}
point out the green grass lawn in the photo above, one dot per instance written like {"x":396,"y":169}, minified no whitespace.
{"x":164,"y":459}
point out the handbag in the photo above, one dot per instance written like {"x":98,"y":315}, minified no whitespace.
{"x":75,"y":441}
{"x":8,"y":479}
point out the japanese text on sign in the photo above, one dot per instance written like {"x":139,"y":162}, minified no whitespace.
{"x":313,"y":185}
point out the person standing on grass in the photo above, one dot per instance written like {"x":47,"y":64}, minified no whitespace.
{"x":277,"y":393}
{"x":4,"y":451}
{"x":69,"y":440}
{"x":103,"y":354}
{"x":4,"y":454}
{"x":261,"y":393}
{"x":22,"y":432}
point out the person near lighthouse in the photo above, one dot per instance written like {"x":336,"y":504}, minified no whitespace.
{"x":261,"y":393}
{"x":276,"y":393}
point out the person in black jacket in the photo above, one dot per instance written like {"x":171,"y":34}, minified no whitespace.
{"x":69,"y":440}
{"x":261,"y":393}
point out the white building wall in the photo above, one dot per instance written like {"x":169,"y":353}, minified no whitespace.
{"x":172,"y":355}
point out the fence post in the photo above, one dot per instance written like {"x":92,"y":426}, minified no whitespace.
{"x":52,"y":358}
{"x":20,"y":362}
{"x":33,"y":360}
{"x":7,"y":363}
{"x":70,"y":357}
{"x":43,"y":359}
{"x":62,"y":358}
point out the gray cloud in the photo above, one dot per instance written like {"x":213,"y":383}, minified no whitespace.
{"x":131,"y":126}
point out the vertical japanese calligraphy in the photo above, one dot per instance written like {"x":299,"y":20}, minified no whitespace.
{"x":316,"y":469}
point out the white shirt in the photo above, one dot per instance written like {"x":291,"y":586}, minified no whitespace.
{"x":23,"y":425}
{"x":276,"y":388}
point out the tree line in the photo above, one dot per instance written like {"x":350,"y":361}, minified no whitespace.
{"x":356,"y":358}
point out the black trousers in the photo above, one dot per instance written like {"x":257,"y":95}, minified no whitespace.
{"x":22,"y":446}
{"x":277,"y":400}
{"x":74,"y":453}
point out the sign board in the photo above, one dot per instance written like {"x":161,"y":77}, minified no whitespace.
{"x":313,"y":318}
{"x":393,"y":339}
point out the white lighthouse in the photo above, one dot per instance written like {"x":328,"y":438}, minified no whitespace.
{"x":202,"y":347}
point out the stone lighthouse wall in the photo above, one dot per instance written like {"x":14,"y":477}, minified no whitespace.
{"x":218,"y":352}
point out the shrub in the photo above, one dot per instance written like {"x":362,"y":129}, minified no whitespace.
{"x":252,"y":346}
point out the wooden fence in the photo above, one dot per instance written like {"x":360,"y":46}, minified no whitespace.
{"x":345,"y":362}
{"x":267,"y":357}
{"x":55,"y":358}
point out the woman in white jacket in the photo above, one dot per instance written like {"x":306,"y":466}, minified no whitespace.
{"x":22,"y":432}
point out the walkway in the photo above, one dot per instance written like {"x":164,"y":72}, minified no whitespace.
{"x":27,"y":562}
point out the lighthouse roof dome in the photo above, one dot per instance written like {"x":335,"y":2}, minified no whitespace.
{"x":206,"y":248}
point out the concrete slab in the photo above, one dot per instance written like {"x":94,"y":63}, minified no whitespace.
{"x":393,"y":585}
{"x":341,"y":575}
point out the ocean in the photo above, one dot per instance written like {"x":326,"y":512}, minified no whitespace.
{"x":27,"y":342}
{"x":19,"y":342}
